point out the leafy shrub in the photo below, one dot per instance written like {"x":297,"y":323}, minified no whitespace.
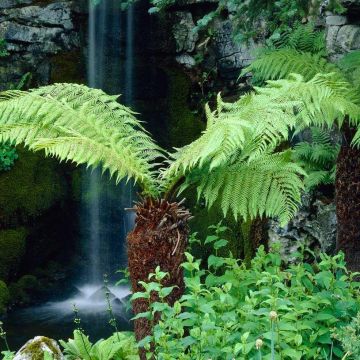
{"x":349,"y":336}
{"x":267,"y":311}
{"x":8,"y":155}
{"x":120,"y":346}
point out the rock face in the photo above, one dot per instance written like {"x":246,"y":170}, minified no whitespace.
{"x":34,"y":33}
{"x":343,"y":32}
{"x":314,"y":226}
{"x":34,"y":349}
{"x":231,"y":57}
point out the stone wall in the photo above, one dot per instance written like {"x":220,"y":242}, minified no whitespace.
{"x":35,"y":33}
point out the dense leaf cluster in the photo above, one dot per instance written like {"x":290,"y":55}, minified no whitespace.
{"x":270,"y":310}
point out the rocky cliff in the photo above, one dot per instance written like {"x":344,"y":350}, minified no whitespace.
{"x":36,"y":32}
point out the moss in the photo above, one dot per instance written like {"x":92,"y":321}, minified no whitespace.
{"x":32,"y":186}
{"x":184,"y":125}
{"x":12,"y":249}
{"x":4,"y":297}
{"x":68,"y":67}
{"x":22,"y":291}
{"x":35,"y":348}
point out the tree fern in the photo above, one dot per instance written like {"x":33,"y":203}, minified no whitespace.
{"x":73,"y":122}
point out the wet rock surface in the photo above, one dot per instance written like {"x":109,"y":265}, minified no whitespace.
{"x":33,"y":34}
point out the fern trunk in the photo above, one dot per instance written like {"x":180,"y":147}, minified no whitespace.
{"x":254,"y":233}
{"x":348,"y":202}
{"x":158,"y":239}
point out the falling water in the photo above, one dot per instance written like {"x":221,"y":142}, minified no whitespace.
{"x":111,"y":70}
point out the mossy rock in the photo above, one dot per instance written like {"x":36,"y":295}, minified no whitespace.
{"x":32,"y":186}
{"x":12,"y":249}
{"x":184,"y":126}
{"x":34,"y":349}
{"x":4,"y":297}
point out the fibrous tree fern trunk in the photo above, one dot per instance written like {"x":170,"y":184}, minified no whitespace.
{"x":348,"y":201}
{"x":158,"y":239}
{"x":254,"y":233}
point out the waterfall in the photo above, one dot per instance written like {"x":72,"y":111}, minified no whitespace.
{"x":110,"y":68}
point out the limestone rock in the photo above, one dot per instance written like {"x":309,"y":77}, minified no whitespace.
{"x":314,"y":226}
{"x":34,"y":349}
{"x":5,"y":4}
{"x":231,"y":57}
{"x":337,"y":20}
{"x":185,"y":37}
{"x":185,"y":60}
{"x":56,"y":14}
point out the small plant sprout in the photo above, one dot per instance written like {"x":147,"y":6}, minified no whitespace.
{"x":112,"y":320}
{"x":3,"y":336}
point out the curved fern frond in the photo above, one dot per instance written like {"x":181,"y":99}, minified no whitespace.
{"x":250,"y":126}
{"x":322,"y":101}
{"x":87,"y":126}
{"x":268,"y":186}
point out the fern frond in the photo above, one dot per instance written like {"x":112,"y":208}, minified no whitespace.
{"x":350,"y":64}
{"x":279,"y":64}
{"x":318,"y":158}
{"x":251,"y":126}
{"x":304,"y":38}
{"x":73,"y":122}
{"x":268,"y":186}
{"x":322,"y":101}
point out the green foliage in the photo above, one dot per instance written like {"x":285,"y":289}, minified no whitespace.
{"x":12,"y":245}
{"x":8,"y":155}
{"x":349,"y":336}
{"x":350,"y":65}
{"x":120,"y":346}
{"x":318,"y":158}
{"x":3,"y":48}
{"x":4,"y":297}
{"x":73,"y":122}
{"x":280,"y":63}
{"x":268,"y":311}
{"x":236,"y":147}
{"x":8,"y":355}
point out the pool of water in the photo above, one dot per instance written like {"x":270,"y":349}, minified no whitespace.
{"x":56,"y":319}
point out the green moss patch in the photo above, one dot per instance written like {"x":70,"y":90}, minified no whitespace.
{"x":32,"y":186}
{"x":12,"y":249}
{"x":184,"y":125}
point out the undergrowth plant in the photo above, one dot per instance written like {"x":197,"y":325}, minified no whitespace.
{"x":119,"y":346}
{"x":268,"y":311}
{"x":349,"y":336}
